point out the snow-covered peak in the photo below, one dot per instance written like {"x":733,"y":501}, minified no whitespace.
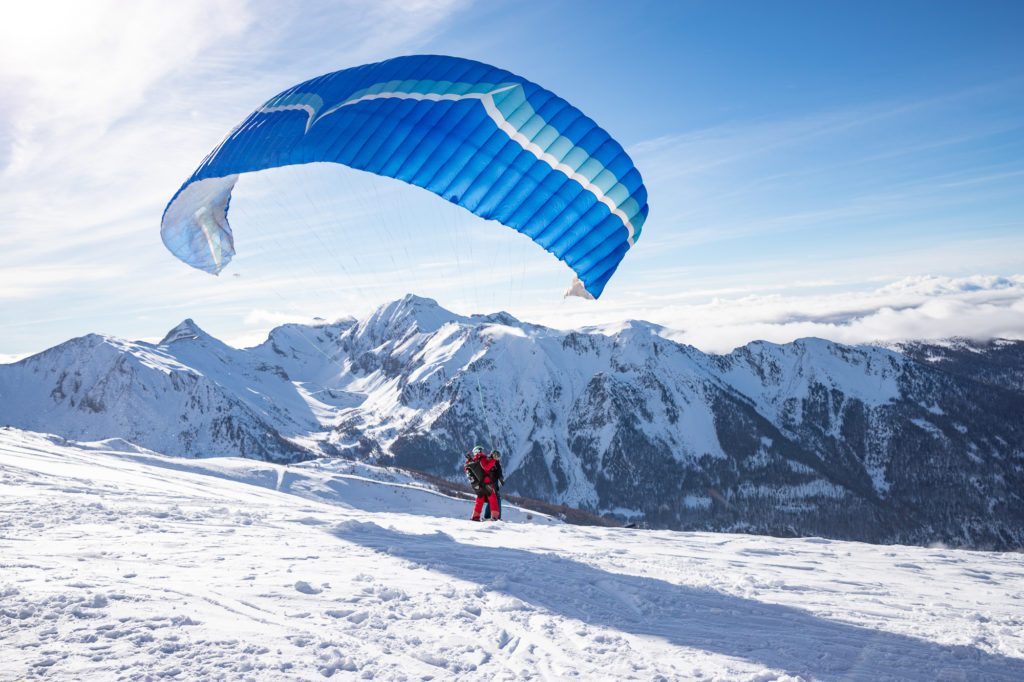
{"x":300,"y":336}
{"x":501,"y":317}
{"x":641,"y":327}
{"x":625,"y":332}
{"x":68,"y":349}
{"x":774,"y":373}
{"x":187,"y":330}
{"x":637,"y":333}
{"x":409,"y":314}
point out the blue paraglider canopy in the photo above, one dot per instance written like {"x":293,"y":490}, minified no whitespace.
{"x":485,"y":139}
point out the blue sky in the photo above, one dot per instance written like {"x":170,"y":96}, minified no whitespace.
{"x":847,"y":170}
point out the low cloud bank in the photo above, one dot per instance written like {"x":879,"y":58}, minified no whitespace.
{"x":920,"y":308}
{"x":914,"y":308}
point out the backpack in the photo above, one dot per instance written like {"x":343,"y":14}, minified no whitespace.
{"x":475,"y":472}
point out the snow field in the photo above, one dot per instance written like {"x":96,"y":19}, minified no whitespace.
{"x":117,"y":563}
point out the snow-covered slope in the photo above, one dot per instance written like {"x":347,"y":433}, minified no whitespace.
{"x":120,"y":563}
{"x":97,"y":387}
{"x":810,"y":437}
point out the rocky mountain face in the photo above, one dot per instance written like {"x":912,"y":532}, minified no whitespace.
{"x":915,"y":444}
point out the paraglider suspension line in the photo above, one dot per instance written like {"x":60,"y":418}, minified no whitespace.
{"x":483,"y":406}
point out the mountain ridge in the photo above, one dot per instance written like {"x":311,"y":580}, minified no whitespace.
{"x":917,"y":443}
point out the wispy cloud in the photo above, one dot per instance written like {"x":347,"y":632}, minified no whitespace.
{"x":758,"y":229}
{"x":109,"y":106}
{"x":894,"y":164}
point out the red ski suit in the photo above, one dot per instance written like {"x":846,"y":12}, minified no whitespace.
{"x":487,"y":463}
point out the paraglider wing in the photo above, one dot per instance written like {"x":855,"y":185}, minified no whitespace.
{"x":492,"y":142}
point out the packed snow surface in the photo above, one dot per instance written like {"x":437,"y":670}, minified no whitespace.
{"x":119,"y":563}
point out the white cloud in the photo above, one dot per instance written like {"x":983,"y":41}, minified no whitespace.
{"x":24,"y":283}
{"x":980,"y":307}
{"x":74,"y":69}
{"x":109,"y":105}
{"x":96,"y":139}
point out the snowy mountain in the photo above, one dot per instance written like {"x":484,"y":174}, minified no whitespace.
{"x":916,"y":444}
{"x":121,"y":563}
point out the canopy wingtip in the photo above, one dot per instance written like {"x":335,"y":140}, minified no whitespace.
{"x":577,"y":288}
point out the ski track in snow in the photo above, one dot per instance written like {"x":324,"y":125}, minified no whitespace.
{"x":117,"y":563}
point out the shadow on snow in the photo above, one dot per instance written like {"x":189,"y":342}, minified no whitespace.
{"x":778,"y":637}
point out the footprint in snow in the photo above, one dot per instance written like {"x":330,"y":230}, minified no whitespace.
{"x":306,"y":588}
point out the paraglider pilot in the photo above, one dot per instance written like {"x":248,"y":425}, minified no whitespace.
{"x":480,"y":470}
{"x":499,"y":480}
